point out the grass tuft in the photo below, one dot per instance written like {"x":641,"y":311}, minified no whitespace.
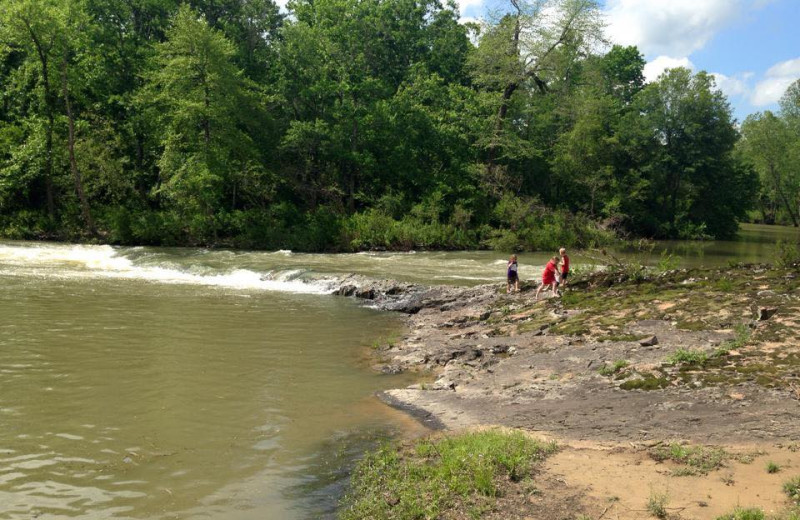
{"x":701,"y":459}
{"x":772,"y":467}
{"x":687,"y":356}
{"x":610,"y":370}
{"x":657,"y":504}
{"x":456,"y":473}
{"x":752,"y":513}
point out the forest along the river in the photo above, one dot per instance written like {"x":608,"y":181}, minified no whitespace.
{"x":147,"y":382}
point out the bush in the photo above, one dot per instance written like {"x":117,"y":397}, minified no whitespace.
{"x":787,"y":253}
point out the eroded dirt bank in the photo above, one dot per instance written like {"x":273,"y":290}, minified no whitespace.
{"x":616,"y":367}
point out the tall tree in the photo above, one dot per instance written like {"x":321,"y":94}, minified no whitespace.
{"x":697,"y":186}
{"x":772,"y":147}
{"x":205,"y":103}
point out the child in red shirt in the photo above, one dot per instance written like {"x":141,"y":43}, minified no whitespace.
{"x":564,"y":266}
{"x":549,"y":276}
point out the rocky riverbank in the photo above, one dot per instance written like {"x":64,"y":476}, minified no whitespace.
{"x":694,"y":356}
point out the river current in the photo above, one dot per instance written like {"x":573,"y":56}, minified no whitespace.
{"x":187,"y":383}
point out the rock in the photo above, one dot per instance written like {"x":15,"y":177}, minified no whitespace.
{"x":500,"y":349}
{"x":766,"y":292}
{"x":366,"y":294}
{"x":444,"y":383}
{"x":765,"y":313}
{"x":347,"y":290}
{"x":649,"y":342}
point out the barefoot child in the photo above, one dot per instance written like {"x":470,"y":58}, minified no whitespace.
{"x":549,"y":276}
{"x":512,"y":274}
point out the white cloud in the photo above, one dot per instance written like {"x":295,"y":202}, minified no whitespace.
{"x":776,"y":81}
{"x":463,"y":5}
{"x":732,"y":86}
{"x":669,"y":28}
{"x":653,"y":69}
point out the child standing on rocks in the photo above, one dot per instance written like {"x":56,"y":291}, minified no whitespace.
{"x":512,"y":275}
{"x":564,"y":266}
{"x":549,"y":276}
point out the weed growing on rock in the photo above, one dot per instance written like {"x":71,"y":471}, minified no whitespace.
{"x":610,"y":370}
{"x":742,"y":338}
{"x":687,"y":356}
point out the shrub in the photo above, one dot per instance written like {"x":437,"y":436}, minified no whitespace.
{"x":787,"y":253}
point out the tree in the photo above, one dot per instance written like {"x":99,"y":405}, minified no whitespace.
{"x":205,"y":101}
{"x":685,"y":141}
{"x":523,"y":49}
{"x":770,"y":145}
{"x":34,"y":26}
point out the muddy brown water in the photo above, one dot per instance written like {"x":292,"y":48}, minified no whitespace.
{"x":184,"y":383}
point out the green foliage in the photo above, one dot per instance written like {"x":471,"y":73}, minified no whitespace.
{"x":610,"y":370}
{"x":741,"y":338}
{"x":459,"y":472}
{"x":687,"y":356}
{"x":657,"y":504}
{"x":700,"y":459}
{"x":363,"y":124}
{"x":787,"y":254}
{"x":739,"y":513}
{"x":772,"y":467}
{"x":792,"y":488}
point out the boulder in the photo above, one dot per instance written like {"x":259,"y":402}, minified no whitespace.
{"x":765,"y":313}
{"x":649,"y":342}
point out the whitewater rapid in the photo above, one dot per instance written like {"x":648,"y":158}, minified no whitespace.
{"x":107,"y":262}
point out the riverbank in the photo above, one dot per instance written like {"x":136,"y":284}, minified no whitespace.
{"x":613,"y":370}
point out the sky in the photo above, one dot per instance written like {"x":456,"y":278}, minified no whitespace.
{"x":751,"y":46}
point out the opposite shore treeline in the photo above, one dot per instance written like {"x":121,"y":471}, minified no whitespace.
{"x":351,"y":124}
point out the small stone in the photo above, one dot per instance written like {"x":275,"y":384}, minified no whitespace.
{"x":736,"y":396}
{"x":649,"y":342}
{"x":765,"y":292}
{"x":765,"y":313}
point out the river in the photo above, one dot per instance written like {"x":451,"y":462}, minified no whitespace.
{"x":186,"y":383}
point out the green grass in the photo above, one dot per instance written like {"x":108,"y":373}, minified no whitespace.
{"x":697,"y":459}
{"x":610,"y":370}
{"x":772,"y":467}
{"x":433,"y":476}
{"x":657,"y":504}
{"x":687,"y":356}
{"x":724,"y":285}
{"x":645,"y":382}
{"x":742,"y":338}
{"x":752,"y":513}
{"x":792,"y":488}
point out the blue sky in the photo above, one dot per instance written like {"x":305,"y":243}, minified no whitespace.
{"x":752,"y":46}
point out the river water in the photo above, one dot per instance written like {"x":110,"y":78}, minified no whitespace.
{"x":184,"y":383}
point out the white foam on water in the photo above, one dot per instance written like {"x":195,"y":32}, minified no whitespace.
{"x":78,"y":261}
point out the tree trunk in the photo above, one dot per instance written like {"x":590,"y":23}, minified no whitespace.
{"x":776,"y":180}
{"x":73,"y":164}
{"x":49,"y":107}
